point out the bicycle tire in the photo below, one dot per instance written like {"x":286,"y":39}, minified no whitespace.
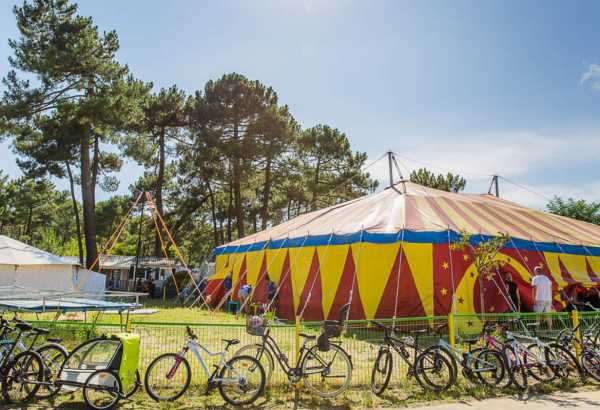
{"x":517,"y":370}
{"x":438,"y":361}
{"x":382,"y":367}
{"x":314,"y":352}
{"x":499,"y":374}
{"x":543,"y":372}
{"x":52,"y":364}
{"x":88,"y":388}
{"x":22,"y":362}
{"x":187,"y":372}
{"x":590,"y":363}
{"x":563,"y":362}
{"x":253,"y":367}
{"x":266,"y":358}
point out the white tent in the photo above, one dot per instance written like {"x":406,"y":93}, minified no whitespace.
{"x":29,"y":267}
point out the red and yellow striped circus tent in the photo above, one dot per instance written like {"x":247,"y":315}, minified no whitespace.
{"x":389,"y":255}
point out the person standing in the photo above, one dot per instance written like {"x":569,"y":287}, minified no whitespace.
{"x":227,"y":283}
{"x":542,"y":293}
{"x":243,"y":294}
{"x":513,"y":293}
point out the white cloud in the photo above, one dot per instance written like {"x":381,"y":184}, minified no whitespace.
{"x":514,"y":155}
{"x":592,"y":76}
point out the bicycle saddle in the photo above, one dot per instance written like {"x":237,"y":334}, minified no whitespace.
{"x":40,"y":331}
{"x":54,"y":339}
{"x":470,"y":342}
{"x":231,"y":342}
{"x":534,"y":324}
{"x":22,"y":326}
{"x":309,"y":337}
{"x":418,"y":331}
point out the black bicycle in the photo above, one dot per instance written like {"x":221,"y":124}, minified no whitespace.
{"x":431,"y":369}
{"x":325,"y":367}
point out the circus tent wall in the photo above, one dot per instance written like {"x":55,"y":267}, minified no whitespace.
{"x":409,"y":274}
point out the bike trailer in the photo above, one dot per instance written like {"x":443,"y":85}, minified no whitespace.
{"x":118,"y":353}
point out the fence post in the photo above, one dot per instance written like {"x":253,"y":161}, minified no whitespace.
{"x":451,"y":330}
{"x":575,"y":322}
{"x":129,"y":325}
{"x":297,"y":344}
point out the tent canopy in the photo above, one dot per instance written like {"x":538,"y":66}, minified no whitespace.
{"x":13,"y":252}
{"x":390,"y":255}
{"x":412,"y":207}
{"x":28,"y":266}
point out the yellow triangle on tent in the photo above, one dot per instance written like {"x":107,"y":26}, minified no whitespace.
{"x":254,"y":262}
{"x":554,"y":266}
{"x":373,"y":263}
{"x":332,"y":260}
{"x":221,"y":267}
{"x":420,"y":262}
{"x":275,"y":260}
{"x":576,"y":266}
{"x":300,"y":261}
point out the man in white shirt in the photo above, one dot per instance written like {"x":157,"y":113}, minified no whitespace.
{"x":542,"y":293}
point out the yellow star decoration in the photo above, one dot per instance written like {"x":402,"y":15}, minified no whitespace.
{"x":445,"y":265}
{"x":526,"y":258}
{"x":466,"y":257}
{"x":489,"y":276}
{"x":492,"y":309}
{"x":444,"y":291}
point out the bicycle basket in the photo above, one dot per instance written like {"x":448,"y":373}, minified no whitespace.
{"x":332,"y":328}
{"x":256,"y":325}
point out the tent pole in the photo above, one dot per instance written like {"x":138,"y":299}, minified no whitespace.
{"x":398,"y":275}
{"x":390,"y":169}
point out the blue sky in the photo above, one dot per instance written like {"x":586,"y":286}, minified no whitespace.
{"x":480,"y":87}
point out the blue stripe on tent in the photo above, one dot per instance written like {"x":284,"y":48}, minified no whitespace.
{"x":409,"y":236}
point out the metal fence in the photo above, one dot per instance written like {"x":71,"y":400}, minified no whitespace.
{"x":360,"y":339}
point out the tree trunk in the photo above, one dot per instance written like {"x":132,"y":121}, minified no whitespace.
{"x":229,"y":213}
{"x":237,"y":188}
{"x":95,"y":165}
{"x":28,"y":226}
{"x":89,"y":203}
{"x":264,"y":216}
{"x":160,"y":180}
{"x":315,"y":193}
{"x":76,"y":212}
{"x":213,"y":214}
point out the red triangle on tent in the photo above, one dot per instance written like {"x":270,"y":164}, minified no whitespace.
{"x":241,"y":280}
{"x":260,"y":287}
{"x":312,"y":294}
{"x":285,"y":297}
{"x":408,"y":303}
{"x":342,"y":295}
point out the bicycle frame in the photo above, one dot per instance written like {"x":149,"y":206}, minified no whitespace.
{"x":196,"y":347}
{"x":268,"y":343}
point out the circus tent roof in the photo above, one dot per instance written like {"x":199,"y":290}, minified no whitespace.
{"x":407,"y":206}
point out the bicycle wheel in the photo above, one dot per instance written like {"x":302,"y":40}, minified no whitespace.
{"x":102,"y":390}
{"x":241,"y":380}
{"x":516,"y":368}
{"x":22,"y":377}
{"x":562,"y":361}
{"x":167,"y":377}
{"x":382,"y":371}
{"x":449,"y":356}
{"x":489,"y":367}
{"x":264,"y":356}
{"x":536,"y":364}
{"x":53,"y":356}
{"x":327,"y":373}
{"x":434,"y":371}
{"x":590,"y":362}
{"x":134,"y":387}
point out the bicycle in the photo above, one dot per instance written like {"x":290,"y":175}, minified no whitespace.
{"x":21,"y":375}
{"x":431,"y":369}
{"x":543,"y":361}
{"x":53,"y":354}
{"x":480,"y":365}
{"x":589,"y":337}
{"x":169,"y":375}
{"x":589,"y":357}
{"x":325,"y":367}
